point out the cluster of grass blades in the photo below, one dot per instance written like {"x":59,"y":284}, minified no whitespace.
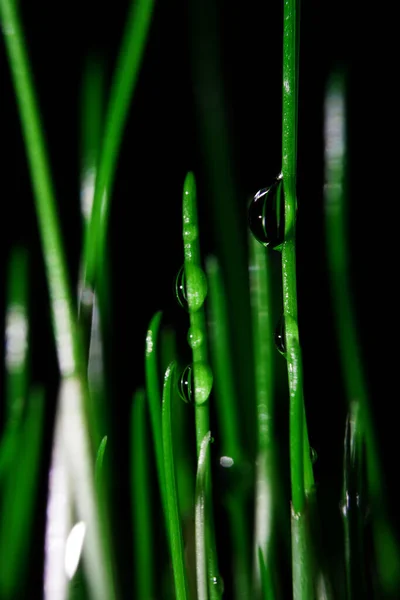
{"x":218,"y":510}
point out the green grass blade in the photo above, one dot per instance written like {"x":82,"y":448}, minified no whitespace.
{"x":201,"y":493}
{"x":19,"y":500}
{"x":227,"y":408}
{"x":99,"y":458}
{"x":17,"y":333}
{"x":175,"y":532}
{"x":196,"y":290}
{"x":336,"y":204}
{"x":141,"y":500}
{"x":126,"y":74}
{"x":267,"y":587}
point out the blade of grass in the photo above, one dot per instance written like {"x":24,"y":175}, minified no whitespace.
{"x":336,"y":202}
{"x":99,"y":458}
{"x":267,"y":587}
{"x":74,"y":402}
{"x":126,"y":75}
{"x":227,"y":408}
{"x":141,"y":500}
{"x":200,"y":502}
{"x":196,"y":290}
{"x":175,"y":532}
{"x":19,"y":501}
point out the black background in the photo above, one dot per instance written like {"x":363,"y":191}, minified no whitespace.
{"x":162,"y":142}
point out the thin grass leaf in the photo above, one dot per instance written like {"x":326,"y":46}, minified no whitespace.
{"x":200,"y":503}
{"x":126,"y":75}
{"x":20,"y":497}
{"x":99,"y":458}
{"x":145,"y":579}
{"x":195,"y":290}
{"x":336,"y":203}
{"x":227,"y":408}
{"x":175,"y":531}
{"x":267,"y":587}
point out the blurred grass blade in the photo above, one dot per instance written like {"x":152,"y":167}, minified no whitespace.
{"x":19,"y":500}
{"x":145,"y":579}
{"x":336,"y":205}
{"x":200,"y":502}
{"x":352,"y":500}
{"x":99,"y":458}
{"x":17,"y":334}
{"x":126,"y":75}
{"x":154,"y":399}
{"x":267,"y":587}
{"x":175,"y":532}
{"x":227,"y":408}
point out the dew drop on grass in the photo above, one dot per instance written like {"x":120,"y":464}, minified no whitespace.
{"x":279,"y":336}
{"x":195,"y":337}
{"x":313,"y":455}
{"x":190,"y":233}
{"x":266,"y":215}
{"x":191,"y":287}
{"x":195,"y":383}
{"x":218,"y":583}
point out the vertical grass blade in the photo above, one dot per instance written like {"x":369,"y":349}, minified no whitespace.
{"x":200,"y":502}
{"x":175,"y":532}
{"x":99,"y":458}
{"x":19,"y":500}
{"x":267,"y":587}
{"x":227,"y":408}
{"x":126,"y":74}
{"x":336,"y":202}
{"x":196,"y":290}
{"x":141,"y":501}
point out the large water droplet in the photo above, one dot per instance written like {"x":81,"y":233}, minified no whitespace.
{"x":279,"y":336}
{"x":267,"y":215}
{"x":191,"y":287}
{"x":195,"y":383}
{"x":195,"y":337}
{"x":218,"y":584}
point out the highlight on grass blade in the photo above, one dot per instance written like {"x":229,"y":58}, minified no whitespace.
{"x":99,"y":458}
{"x":175,"y":530}
{"x":200,"y":518}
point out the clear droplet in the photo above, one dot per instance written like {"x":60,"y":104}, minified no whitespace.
{"x":191,"y":287}
{"x":190,"y":233}
{"x":279,"y":336}
{"x":313,"y":455}
{"x":195,"y":383}
{"x":267,"y":215}
{"x":218,"y":583}
{"x":195,"y":337}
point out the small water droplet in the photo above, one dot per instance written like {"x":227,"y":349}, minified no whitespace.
{"x":218,"y":582}
{"x":313,"y":455}
{"x":191,"y":287}
{"x":195,"y":383}
{"x":226,"y":461}
{"x":190,"y":233}
{"x":195,"y":337}
{"x":266,"y":215}
{"x":279,"y":336}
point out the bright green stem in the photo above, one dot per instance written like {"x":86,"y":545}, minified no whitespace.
{"x":200,"y":519}
{"x":267,"y":587}
{"x":175,"y":532}
{"x":99,"y":458}
{"x":336,"y":202}
{"x":17,"y":335}
{"x":154,"y":399}
{"x":19,"y":499}
{"x":302,"y":569}
{"x":126,"y":76}
{"x":229,"y":426}
{"x":196,"y":288}
{"x":141,"y":498}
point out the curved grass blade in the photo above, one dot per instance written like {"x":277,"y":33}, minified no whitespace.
{"x":196,"y":290}
{"x":227,"y":408}
{"x":175,"y":532}
{"x":126,"y":74}
{"x":75,"y":406}
{"x":141,"y":500}
{"x":336,"y":202}
{"x":20,"y":496}
{"x":99,"y":458}
{"x":200,"y":502}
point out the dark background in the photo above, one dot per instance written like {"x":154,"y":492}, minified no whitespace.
{"x":162,"y":142}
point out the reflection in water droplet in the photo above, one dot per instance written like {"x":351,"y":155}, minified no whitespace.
{"x":195,"y":337}
{"x":266,"y":215}
{"x":191,"y":287}
{"x":279,"y":336}
{"x":195,"y":383}
{"x":313,"y":455}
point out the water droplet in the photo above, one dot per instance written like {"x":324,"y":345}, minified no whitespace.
{"x":226,"y":461}
{"x":190,"y":232}
{"x":191,"y":287}
{"x":267,"y":215}
{"x":195,"y":383}
{"x":279,"y":336}
{"x":313,"y":455}
{"x":218,"y":582}
{"x":195,"y":337}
